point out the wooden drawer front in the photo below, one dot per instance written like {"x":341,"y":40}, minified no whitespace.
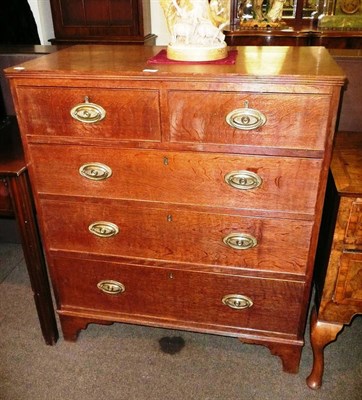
{"x":288,"y":184}
{"x":295,"y":121}
{"x":179,"y":236}
{"x":177,"y":296}
{"x":349,"y":282}
{"x":348,"y":229}
{"x":354,"y":225}
{"x":131,"y":114}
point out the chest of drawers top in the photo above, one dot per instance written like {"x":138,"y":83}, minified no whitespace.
{"x":280,"y":64}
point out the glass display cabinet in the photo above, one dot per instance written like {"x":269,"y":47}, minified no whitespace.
{"x":329,"y":23}
{"x":295,"y":13}
{"x":342,"y":14}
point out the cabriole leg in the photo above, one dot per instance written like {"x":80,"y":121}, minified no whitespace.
{"x":322,"y":333}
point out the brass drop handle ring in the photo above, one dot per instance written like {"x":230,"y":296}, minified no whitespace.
{"x":111,"y":287}
{"x":243,"y":180}
{"x":240,"y":241}
{"x":103,"y":229}
{"x":87,"y":112}
{"x":237,"y":301}
{"x":246,"y":118}
{"x":95,"y":171}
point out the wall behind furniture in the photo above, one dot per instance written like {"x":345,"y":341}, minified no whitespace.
{"x":43,"y":17}
{"x":158,"y":22}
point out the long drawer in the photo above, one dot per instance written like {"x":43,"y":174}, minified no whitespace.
{"x":254,"y":119}
{"x":120,"y":114}
{"x":181,"y":297}
{"x":181,"y":236}
{"x":216,"y":180}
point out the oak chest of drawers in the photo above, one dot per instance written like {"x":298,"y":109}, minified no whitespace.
{"x":186,"y":196}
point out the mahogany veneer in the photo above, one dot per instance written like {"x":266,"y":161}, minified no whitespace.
{"x":102,"y":21}
{"x":187,"y":196}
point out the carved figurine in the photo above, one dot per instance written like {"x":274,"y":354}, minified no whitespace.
{"x":196,"y":29}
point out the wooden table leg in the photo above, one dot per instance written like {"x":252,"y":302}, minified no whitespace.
{"x":23,"y":205}
{"x":322,"y":333}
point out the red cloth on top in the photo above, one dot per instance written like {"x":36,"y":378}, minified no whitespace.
{"x":161,"y":58}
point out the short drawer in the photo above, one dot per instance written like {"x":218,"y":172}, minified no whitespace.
{"x":129,"y":114}
{"x":348,"y":288}
{"x":139,"y":293}
{"x":180,"y":236}
{"x":281,"y":184}
{"x":353,"y":235}
{"x":297,"y":121}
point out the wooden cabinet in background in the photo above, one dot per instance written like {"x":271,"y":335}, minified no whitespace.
{"x":102,"y":21}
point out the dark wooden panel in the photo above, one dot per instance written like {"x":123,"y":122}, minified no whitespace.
{"x":106,"y":21}
{"x":295,"y":37}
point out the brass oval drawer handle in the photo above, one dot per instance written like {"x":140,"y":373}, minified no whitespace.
{"x":243,"y":180}
{"x":95,"y":171}
{"x":237,"y":301}
{"x":240,"y":241}
{"x":87,"y":112}
{"x":103,"y":229}
{"x":111,"y":287}
{"x":246,"y":118}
